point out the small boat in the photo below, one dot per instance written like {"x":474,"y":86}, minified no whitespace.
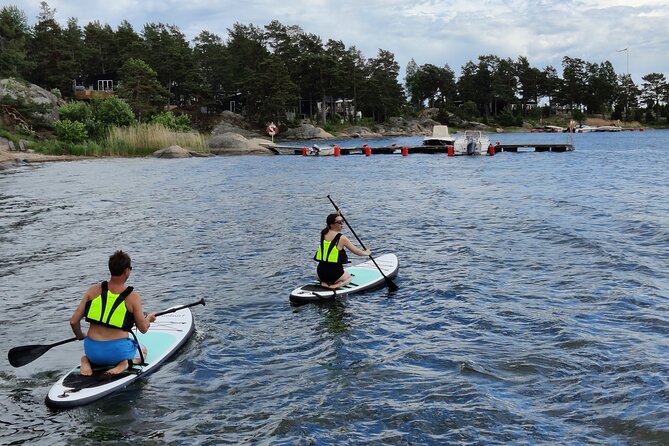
{"x":582,"y":128}
{"x":609,"y":128}
{"x":473,"y":142}
{"x":440,"y":137}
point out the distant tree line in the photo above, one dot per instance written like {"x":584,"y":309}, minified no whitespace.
{"x":278,"y":69}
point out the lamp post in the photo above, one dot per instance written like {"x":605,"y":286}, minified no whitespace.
{"x":627,"y":54}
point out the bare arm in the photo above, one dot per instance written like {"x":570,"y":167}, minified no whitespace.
{"x":79,"y":312}
{"x":134,"y":304}
{"x":345,"y":242}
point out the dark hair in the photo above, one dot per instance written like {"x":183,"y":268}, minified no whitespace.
{"x":118,"y":262}
{"x":329,"y":221}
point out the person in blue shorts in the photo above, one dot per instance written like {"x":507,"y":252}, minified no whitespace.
{"x":112,"y":309}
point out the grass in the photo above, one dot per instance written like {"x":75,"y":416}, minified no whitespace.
{"x":144,"y":139}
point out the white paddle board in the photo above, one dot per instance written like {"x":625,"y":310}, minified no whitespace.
{"x":165,"y":336}
{"x":366,"y":276}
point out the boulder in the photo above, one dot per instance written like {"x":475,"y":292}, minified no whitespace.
{"x":172,"y":152}
{"x":307,"y":131}
{"x":360,"y":132}
{"x":31,"y":93}
{"x":235,"y":144}
{"x":233,"y":123}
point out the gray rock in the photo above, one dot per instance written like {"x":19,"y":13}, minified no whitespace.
{"x":31,"y":93}
{"x":307,"y":131}
{"x":172,"y":152}
{"x":235,"y":144}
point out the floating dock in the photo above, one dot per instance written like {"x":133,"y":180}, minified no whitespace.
{"x":423,"y":149}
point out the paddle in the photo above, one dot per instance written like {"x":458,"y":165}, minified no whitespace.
{"x":20,"y":356}
{"x":391,"y":285}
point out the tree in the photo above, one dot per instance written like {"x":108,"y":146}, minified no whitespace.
{"x":270,"y":91}
{"x":53,"y":65}
{"x":627,"y":95}
{"x":382,"y":96}
{"x":653,"y":91}
{"x":574,"y":82}
{"x":167,"y":43}
{"x":14,"y":33}
{"x":530,"y":80}
{"x":212,"y":61}
{"x":602,"y":84}
{"x":141,"y":89}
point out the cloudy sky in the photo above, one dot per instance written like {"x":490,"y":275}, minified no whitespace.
{"x":439,"y":32}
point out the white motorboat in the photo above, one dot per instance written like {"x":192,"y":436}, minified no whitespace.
{"x":473,"y":142}
{"x":440,"y":137}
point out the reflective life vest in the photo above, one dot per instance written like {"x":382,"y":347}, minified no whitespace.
{"x":108,"y":309}
{"x":328,"y":252}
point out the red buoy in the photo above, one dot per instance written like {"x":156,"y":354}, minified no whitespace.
{"x":337,"y":150}
{"x":450,"y":151}
{"x":491,"y":150}
{"x":368,"y":150}
{"x":405,"y":151}
{"x":305,"y":150}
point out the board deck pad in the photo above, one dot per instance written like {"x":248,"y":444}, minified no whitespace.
{"x":165,"y":336}
{"x":365,"y":276}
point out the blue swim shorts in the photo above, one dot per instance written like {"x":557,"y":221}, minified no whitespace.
{"x":109,"y":352}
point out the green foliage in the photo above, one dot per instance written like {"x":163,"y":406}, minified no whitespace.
{"x":14,"y":33}
{"x":75,"y":111}
{"x":71,"y":131}
{"x":469,"y":111}
{"x":506,"y":118}
{"x":169,"y":120}
{"x":112,"y":111}
{"x":578,"y":116}
{"x":141,"y":89}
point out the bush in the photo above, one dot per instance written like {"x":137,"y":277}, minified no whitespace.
{"x":169,"y":120}
{"x":113,"y":111}
{"x":71,"y":131}
{"x":506,"y":118}
{"x":75,"y":111}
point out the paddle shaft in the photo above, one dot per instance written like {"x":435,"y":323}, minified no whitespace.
{"x":390,"y":283}
{"x":172,"y":310}
{"x":20,"y":356}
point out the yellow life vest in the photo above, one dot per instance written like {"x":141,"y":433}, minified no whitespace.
{"x":328,"y":251}
{"x":108,"y":309}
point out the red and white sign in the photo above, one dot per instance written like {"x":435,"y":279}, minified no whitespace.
{"x":272,"y":129}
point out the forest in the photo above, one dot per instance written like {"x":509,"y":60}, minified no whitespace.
{"x":281,"y":73}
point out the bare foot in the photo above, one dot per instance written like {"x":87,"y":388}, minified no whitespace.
{"x":120,"y":368}
{"x":85,"y":368}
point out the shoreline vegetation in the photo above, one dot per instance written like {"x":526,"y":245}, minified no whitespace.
{"x":145,"y":140}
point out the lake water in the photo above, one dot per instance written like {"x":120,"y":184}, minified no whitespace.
{"x":533,"y":302}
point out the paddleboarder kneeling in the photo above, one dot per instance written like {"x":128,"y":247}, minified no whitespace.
{"x":331,"y":255}
{"x":112,"y":308}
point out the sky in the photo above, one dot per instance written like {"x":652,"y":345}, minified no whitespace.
{"x":631,"y":34}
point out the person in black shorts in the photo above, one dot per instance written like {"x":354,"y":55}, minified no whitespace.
{"x":331,"y":255}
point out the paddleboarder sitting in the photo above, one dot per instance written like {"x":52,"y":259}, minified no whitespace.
{"x":112,"y":308}
{"x":331,"y":255}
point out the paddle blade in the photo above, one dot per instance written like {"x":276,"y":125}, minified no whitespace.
{"x":20,"y":356}
{"x":391,"y":285}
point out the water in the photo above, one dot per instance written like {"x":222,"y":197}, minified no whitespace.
{"x":532,"y":304}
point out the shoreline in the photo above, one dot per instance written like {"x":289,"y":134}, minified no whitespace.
{"x":9,"y":159}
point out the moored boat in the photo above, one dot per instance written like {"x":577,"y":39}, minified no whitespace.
{"x":440,"y":137}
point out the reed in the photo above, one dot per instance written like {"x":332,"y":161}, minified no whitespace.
{"x":144,"y":139}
